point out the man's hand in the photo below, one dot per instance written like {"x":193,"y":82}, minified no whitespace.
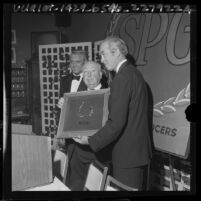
{"x":81,"y":140}
{"x":61,"y":143}
{"x":60,"y":103}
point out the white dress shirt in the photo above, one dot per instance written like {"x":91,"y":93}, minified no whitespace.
{"x":119,"y":65}
{"x":75,"y":83}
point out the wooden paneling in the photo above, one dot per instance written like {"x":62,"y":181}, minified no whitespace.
{"x":31,"y":161}
{"x":21,"y":129}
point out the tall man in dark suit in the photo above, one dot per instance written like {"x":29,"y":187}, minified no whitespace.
{"x":127,"y":124}
{"x":83,"y":155}
{"x":72,"y":83}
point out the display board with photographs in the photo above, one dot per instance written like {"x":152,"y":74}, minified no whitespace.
{"x":54,"y":63}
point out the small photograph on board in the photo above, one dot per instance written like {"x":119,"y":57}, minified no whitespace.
{"x":13,"y":36}
{"x":13,"y":55}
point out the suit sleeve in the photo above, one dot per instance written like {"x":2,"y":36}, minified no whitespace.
{"x":62,"y":88}
{"x":118,"y":113}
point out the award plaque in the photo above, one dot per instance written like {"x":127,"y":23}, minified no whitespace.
{"x":83,"y":113}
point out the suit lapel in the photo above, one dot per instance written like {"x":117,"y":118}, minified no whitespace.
{"x":122,"y":66}
{"x":82,"y":86}
{"x":102,"y":87}
{"x":68,"y":83}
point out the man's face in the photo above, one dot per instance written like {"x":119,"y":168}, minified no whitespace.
{"x":91,"y":76}
{"x":76,"y":63}
{"x":107,"y":57}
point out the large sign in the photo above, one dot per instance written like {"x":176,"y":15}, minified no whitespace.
{"x":170,"y":128}
{"x":160,"y":44}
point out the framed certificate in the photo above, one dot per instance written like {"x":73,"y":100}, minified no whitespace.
{"x":83,"y":113}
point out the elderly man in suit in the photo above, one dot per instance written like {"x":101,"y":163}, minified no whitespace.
{"x":83,"y":155}
{"x":127,"y":124}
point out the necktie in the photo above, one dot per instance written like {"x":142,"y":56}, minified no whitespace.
{"x":76,"y":77}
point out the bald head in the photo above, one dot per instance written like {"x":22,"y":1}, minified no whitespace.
{"x":92,"y":74}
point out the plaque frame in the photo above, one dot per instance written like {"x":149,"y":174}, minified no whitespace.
{"x":64,"y":115}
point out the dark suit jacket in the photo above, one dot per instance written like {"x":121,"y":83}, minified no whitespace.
{"x":127,"y":124}
{"x":65,"y":85}
{"x":87,"y":155}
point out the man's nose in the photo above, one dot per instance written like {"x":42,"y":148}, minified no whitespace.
{"x":89,"y":74}
{"x":72,"y":64}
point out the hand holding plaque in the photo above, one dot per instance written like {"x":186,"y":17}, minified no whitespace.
{"x":60,"y":103}
{"x":81,"y":140}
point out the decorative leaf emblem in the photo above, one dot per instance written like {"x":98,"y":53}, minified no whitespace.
{"x":187,"y":93}
{"x":170,"y":105}
{"x":157,"y":112}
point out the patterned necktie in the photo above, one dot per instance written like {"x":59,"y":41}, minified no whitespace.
{"x":76,"y":77}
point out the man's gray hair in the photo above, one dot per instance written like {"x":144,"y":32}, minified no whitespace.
{"x":118,"y":42}
{"x":80,"y":52}
{"x":98,"y":66}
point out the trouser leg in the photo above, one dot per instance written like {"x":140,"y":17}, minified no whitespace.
{"x":133,"y":177}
